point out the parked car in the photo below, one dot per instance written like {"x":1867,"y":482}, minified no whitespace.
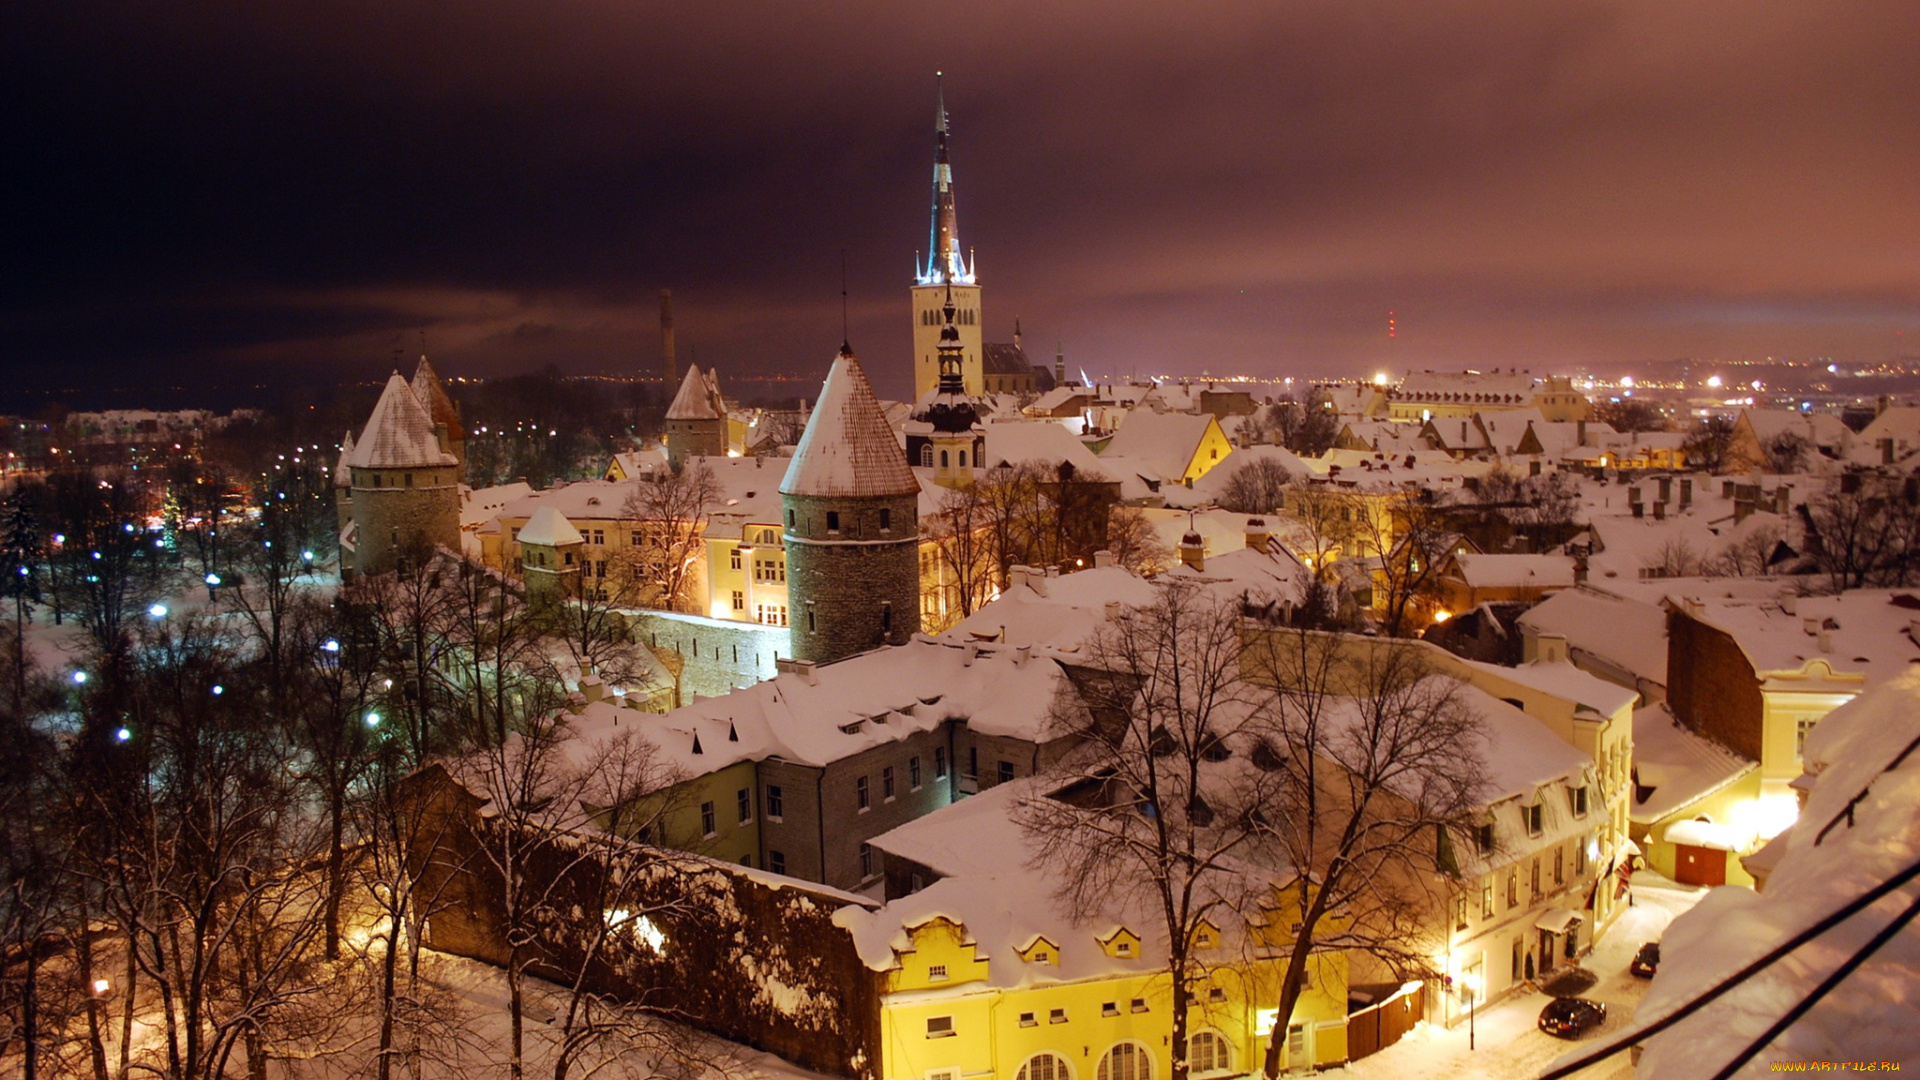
{"x":1646,"y":961}
{"x":1569,"y":1018}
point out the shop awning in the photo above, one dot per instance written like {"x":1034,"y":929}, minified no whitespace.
{"x":1557,"y":921}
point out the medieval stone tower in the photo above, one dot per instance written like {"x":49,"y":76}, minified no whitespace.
{"x":852,"y":526}
{"x":402,"y":477}
{"x":946,"y":278}
{"x":697,"y":419}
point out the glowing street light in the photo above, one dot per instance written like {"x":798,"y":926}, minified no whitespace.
{"x":373,"y":719}
{"x":79,"y":678}
{"x":213,"y":580}
{"x":331,"y":645}
{"x":123,"y":735}
{"x":158,"y":611}
{"x":1470,"y":982}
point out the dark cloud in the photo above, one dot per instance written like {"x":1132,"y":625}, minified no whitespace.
{"x":1245,"y":187}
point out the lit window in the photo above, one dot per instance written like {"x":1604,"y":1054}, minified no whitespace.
{"x":1127,"y":1061}
{"x":1207,"y":1052}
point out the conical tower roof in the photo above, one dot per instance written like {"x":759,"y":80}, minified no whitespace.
{"x":343,"y":470}
{"x":698,"y":398}
{"x":848,"y":451}
{"x":399,"y":435}
{"x":426,"y":387}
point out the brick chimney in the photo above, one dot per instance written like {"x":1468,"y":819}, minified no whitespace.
{"x":1193,"y":551}
{"x":1258,"y":534}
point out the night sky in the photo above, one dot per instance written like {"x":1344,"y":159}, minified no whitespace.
{"x":198,"y":191}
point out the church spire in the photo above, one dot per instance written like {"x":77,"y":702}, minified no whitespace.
{"x":952,"y":379}
{"x":945,"y":263}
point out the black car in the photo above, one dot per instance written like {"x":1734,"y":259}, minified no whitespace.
{"x":1568,"y":1018}
{"x":1646,"y":961}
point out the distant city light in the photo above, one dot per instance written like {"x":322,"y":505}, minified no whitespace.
{"x":1714,"y":381}
{"x":1626,"y":380}
{"x":1379,"y":378}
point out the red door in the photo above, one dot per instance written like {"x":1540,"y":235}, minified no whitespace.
{"x":1699,"y":865}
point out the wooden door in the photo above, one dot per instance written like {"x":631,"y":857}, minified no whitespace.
{"x":1699,"y":865}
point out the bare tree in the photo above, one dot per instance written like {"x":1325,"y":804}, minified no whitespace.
{"x":1749,"y":554}
{"x":967,"y":563}
{"x":1145,"y":814}
{"x":668,"y":510}
{"x":1329,"y":521}
{"x":1413,"y":534}
{"x":1675,"y":558}
{"x":1707,"y":444}
{"x":1865,"y":530}
{"x":1630,"y":415}
{"x":1257,"y":486}
{"x":1375,"y":767}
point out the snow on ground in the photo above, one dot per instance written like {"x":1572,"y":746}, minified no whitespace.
{"x":1508,"y":1040}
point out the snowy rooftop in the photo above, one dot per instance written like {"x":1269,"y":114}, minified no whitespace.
{"x":1015,"y":442}
{"x":1866,"y":631}
{"x":848,"y":450}
{"x":1161,"y":444}
{"x":399,"y":434}
{"x":1569,"y":683}
{"x":1679,"y":766}
{"x":548,"y":528}
{"x":1057,"y":612}
{"x":1630,"y":634}
{"x":1515,"y":571}
{"x":697,"y":399}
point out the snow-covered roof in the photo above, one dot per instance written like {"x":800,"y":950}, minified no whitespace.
{"x":548,"y":528}
{"x":427,"y":387}
{"x":848,"y":450}
{"x":1868,"y":633}
{"x":1501,"y":571}
{"x":1901,"y":423}
{"x":1874,"y":812}
{"x":481,"y":505}
{"x":1630,"y":634}
{"x":1015,"y":442}
{"x":1678,"y":766}
{"x":1210,"y":488}
{"x":698,"y":398}
{"x":1568,"y":683}
{"x":342,"y":469}
{"x":1060,"y":612}
{"x":1164,"y":443}
{"x":399,"y":434}
{"x":843,"y":708}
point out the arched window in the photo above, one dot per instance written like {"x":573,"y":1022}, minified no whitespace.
{"x":1126,"y":1061}
{"x":943,"y":459}
{"x":1207,"y":1052}
{"x":926,"y":455}
{"x":1044,"y":1066}
{"x":963,"y":459}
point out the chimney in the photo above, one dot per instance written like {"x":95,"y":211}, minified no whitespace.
{"x":1742,"y":509}
{"x":1886,"y":450}
{"x":1811,"y":624}
{"x":1666,"y":488}
{"x":1579,"y":569}
{"x":1258,"y":534}
{"x":1789,"y":602}
{"x":1016,"y":576}
{"x":1193,"y":552}
{"x":1726,"y":489}
{"x":1686,"y":492}
{"x":1659,"y":511}
{"x":1580,"y":430}
{"x":1104,"y":558}
{"x":1881,"y":404}
{"x":1059,"y":364}
{"x":666,"y":339}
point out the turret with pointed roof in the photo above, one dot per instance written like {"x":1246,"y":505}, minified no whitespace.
{"x":443,"y":412}
{"x":697,"y":419}
{"x":852,"y":525}
{"x":404,"y":487}
{"x":945,"y":433}
{"x":947,"y":275}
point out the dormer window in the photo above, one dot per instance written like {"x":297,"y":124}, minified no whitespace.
{"x":1579,"y":796}
{"x":1483,"y":837}
{"x":1123,"y":948}
{"x":1534,"y":816}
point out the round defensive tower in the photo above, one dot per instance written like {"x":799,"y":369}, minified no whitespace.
{"x":852,"y":526}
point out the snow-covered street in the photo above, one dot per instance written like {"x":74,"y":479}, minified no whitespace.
{"x":1507,"y":1040}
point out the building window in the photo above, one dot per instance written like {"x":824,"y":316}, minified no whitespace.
{"x":886,"y":519}
{"x":708,"y":826}
{"x":1126,"y":1061}
{"x":1559,"y":866}
{"x":776,"y":806}
{"x":599,"y":536}
{"x":1006,"y":771}
{"x":1580,"y":801}
{"x":1207,"y":1052}
{"x":744,"y":804}
{"x":913,"y":774}
{"x":939,"y":1027}
{"x":789,"y":519}
{"x":1460,"y":912}
{"x":747,"y":860}
{"x":866,"y":861}
{"x":973,"y":761}
{"x":936,"y":973}
{"x":777,"y":862}
{"x":1056,"y":1016}
{"x":1138,"y":1005}
{"x":810,"y":623}
{"x":1483,"y":837}
{"x":1533,"y":878}
{"x":1534,"y":816}
{"x":1027,"y":1020}
{"x":1802,"y":728}
{"x":886,"y":783}
{"x":1486,"y":899}
{"x":1042,"y":956}
{"x":1217,"y":994}
{"x":739,"y":600}
{"x":861,"y":795}
{"x":733,"y":559}
{"x":1109,"y":1008}
{"x":939,"y":763}
{"x":886,"y":617}
{"x":833,"y":521}
{"x":1579,"y":858}
{"x":926,"y":455}
{"x":1513,"y":888}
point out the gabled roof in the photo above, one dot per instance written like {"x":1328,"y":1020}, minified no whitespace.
{"x":1004,"y":359}
{"x":399,"y":435}
{"x":549,"y":528}
{"x":698,"y":399}
{"x":1164,"y":442}
{"x":343,"y":471}
{"x":1503,"y":571}
{"x":848,"y":450}
{"x":426,"y":387}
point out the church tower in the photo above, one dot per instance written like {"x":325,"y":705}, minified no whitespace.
{"x":852,"y":526}
{"x":947,"y":277}
{"x":945,"y":433}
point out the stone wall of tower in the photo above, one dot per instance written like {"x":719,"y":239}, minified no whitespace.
{"x":927,"y":322}
{"x":843,"y":582}
{"x":696,"y":438}
{"x":394,"y":509}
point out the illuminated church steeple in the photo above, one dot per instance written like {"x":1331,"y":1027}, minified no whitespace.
{"x":946,"y":277}
{"x":945,"y":433}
